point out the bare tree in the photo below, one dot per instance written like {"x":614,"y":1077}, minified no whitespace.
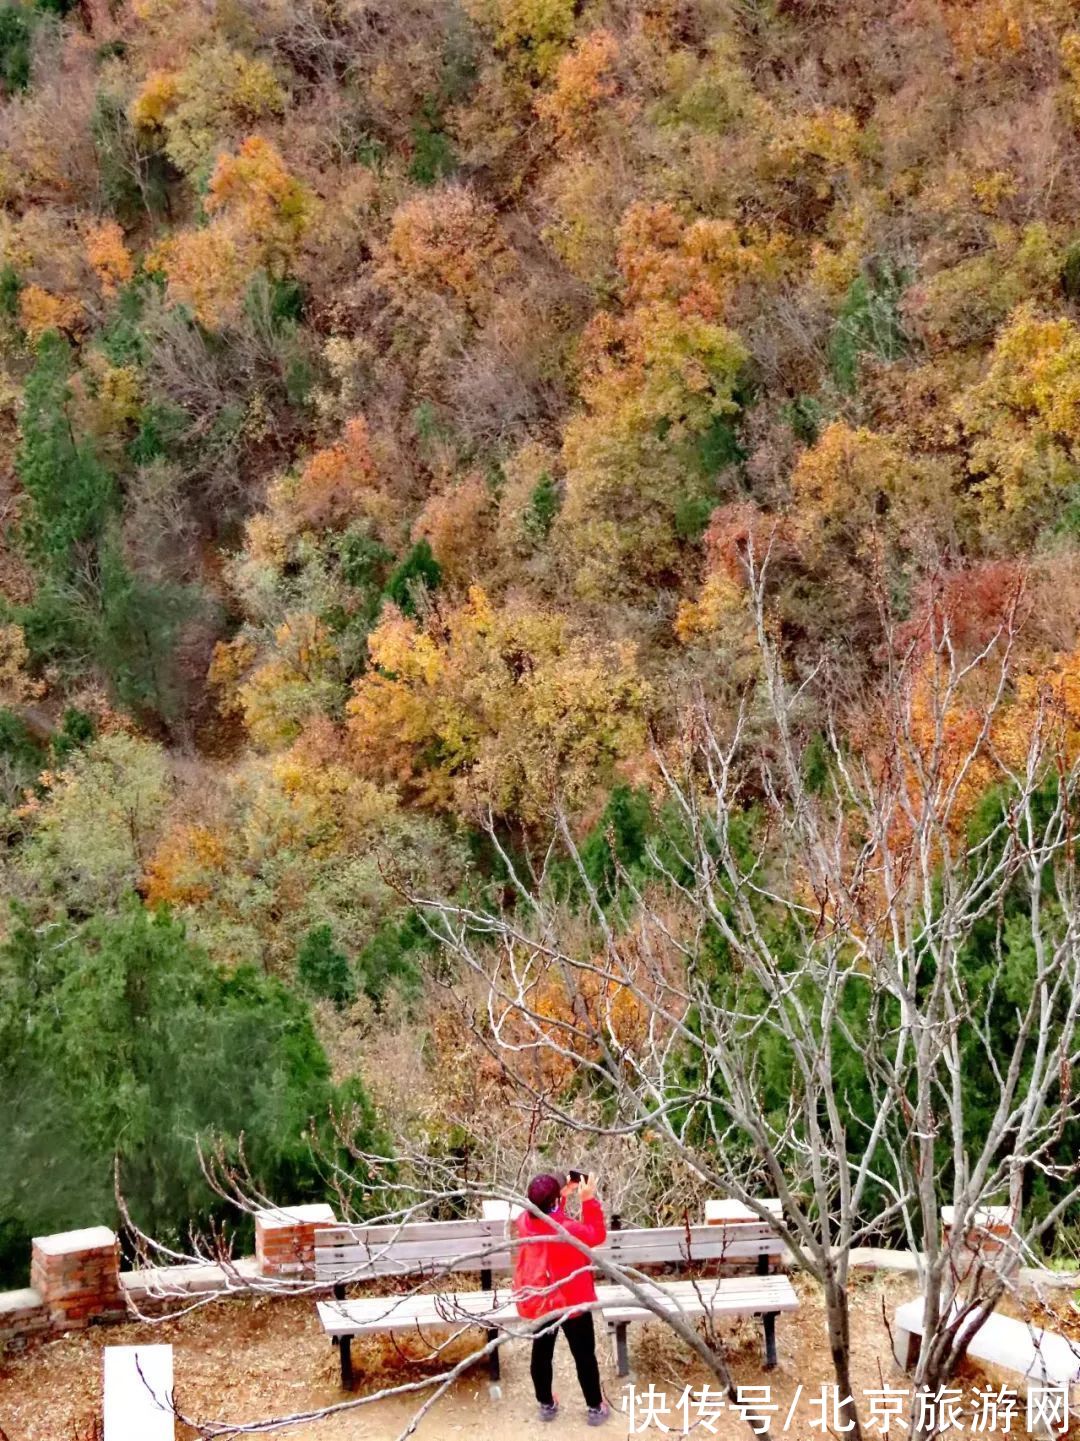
{"x":827,"y":985}
{"x":395,"y":1191}
{"x":847,"y":976}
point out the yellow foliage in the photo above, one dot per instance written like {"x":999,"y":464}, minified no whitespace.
{"x":719,"y":600}
{"x":505,"y":708}
{"x":966,"y":302}
{"x":817,"y":147}
{"x":40,"y":312}
{"x":1024,"y":418}
{"x":160,"y":92}
{"x":219,"y":92}
{"x":837,"y":261}
{"x":115,"y":396}
{"x":586,"y":199}
{"x":524,"y":471}
{"x":652,"y":383}
{"x":307,"y":799}
{"x":230,"y":662}
{"x":533,"y":33}
{"x":583,"y":81}
{"x":265,"y":539}
{"x":707,"y":92}
{"x":296,"y":683}
{"x":110,"y":257}
{"x":15,"y":685}
{"x":1049,"y":696}
{"x":854,"y":486}
{"x":1070,"y":59}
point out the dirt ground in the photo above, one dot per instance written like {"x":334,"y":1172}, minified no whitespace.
{"x":244,"y":1360}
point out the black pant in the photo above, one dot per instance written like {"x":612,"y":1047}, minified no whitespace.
{"x":578,"y":1331}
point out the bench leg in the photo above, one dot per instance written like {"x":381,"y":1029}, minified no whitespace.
{"x":345,"y":1347}
{"x":494,"y":1363}
{"x":622,"y":1355}
{"x":769,"y":1321}
{"x":905,"y":1349}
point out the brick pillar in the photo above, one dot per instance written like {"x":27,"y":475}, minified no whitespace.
{"x":285,"y":1239}
{"x":77,"y":1276}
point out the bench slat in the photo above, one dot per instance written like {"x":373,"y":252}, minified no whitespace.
{"x":371,"y":1315}
{"x":344,"y":1252}
{"x":411,"y":1231}
{"x":675,"y":1243}
{"x":417,"y":1255}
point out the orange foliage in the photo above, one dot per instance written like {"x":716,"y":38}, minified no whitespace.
{"x":583,"y":81}
{"x":608,"y":1004}
{"x":110,"y":257}
{"x":259,"y":214}
{"x":270,"y":206}
{"x":40,"y":311}
{"x":740,"y":532}
{"x":207,"y":270}
{"x":186,"y":867}
{"x":448,"y":242}
{"x":338,"y":484}
{"x":457,"y":523}
{"x":661,"y":256}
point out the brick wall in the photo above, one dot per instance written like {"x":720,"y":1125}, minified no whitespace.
{"x":23,"y":1314}
{"x":285,"y":1239}
{"x":77,"y":1276}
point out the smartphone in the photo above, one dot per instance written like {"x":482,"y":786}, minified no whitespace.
{"x":578,"y":1176}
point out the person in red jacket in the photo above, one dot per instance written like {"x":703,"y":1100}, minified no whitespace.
{"x":552,"y":1274}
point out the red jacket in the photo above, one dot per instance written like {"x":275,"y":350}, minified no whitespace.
{"x":564,"y":1262}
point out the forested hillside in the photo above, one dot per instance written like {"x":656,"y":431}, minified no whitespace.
{"x":392,"y":393}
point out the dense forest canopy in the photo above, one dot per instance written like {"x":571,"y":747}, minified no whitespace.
{"x":391,"y":395}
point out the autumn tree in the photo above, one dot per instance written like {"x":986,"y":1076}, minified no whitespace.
{"x":797,"y":995}
{"x":1023,"y":418}
{"x":532,"y":33}
{"x":584,"y":83}
{"x":217,"y":95}
{"x":504,"y":708}
{"x":259,"y":212}
{"x":449,"y":244}
{"x":655,"y":386}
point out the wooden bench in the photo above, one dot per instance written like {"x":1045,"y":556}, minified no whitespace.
{"x":1002,"y":1341}
{"x":345,"y":1254}
{"x":138,"y":1388}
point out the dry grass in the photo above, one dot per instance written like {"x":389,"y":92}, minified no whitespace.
{"x":245,"y":1359}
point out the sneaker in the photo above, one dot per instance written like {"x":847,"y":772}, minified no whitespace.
{"x":597,"y":1415}
{"x":548,"y":1413}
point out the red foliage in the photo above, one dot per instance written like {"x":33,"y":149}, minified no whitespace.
{"x":972,"y":604}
